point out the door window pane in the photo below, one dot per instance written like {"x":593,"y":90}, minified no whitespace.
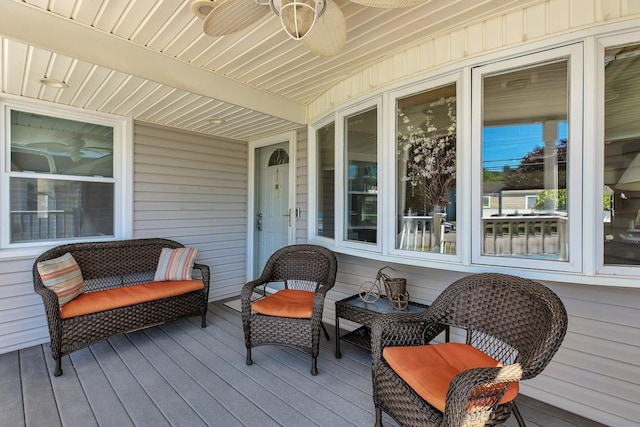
{"x":426,"y":165}
{"x":524,"y":157}
{"x":621,"y":196}
{"x":326,"y":142}
{"x":361,"y":142}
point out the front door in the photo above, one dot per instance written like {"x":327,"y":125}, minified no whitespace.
{"x":273,"y":216}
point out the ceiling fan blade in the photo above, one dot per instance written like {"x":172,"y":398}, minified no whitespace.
{"x":389,"y":4}
{"x":52,"y":147}
{"x":231,"y":16}
{"x":329,"y":34}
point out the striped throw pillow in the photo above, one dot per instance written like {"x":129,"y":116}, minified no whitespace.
{"x":63,"y":276}
{"x":175,"y":264}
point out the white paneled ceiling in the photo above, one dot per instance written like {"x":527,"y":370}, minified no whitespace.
{"x":149,"y":59}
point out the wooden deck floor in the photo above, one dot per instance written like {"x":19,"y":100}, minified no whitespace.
{"x":179,"y":374}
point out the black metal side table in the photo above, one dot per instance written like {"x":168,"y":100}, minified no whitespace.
{"x":354,"y":309}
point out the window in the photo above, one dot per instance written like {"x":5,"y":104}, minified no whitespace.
{"x":60,"y":179}
{"x":426,"y":170}
{"x":525,"y":112}
{"x":486,"y":202}
{"x":483,"y":167}
{"x":621,"y":195}
{"x":325,"y":141}
{"x":361,"y":172}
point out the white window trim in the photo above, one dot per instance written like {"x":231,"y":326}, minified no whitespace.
{"x":574,"y":154}
{"x":122,"y":173}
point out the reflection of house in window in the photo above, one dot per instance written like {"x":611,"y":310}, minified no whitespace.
{"x":519,"y":201}
{"x":486,"y":201}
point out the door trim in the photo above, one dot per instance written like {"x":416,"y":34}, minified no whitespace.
{"x":252,"y":146}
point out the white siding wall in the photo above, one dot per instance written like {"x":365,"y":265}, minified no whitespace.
{"x":192,"y":188}
{"x":302,"y":188}
{"x":22,"y":321}
{"x":537,"y":22}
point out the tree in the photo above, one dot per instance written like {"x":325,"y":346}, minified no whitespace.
{"x":552,"y":199}
{"x":488,"y":175}
{"x":530,"y":172}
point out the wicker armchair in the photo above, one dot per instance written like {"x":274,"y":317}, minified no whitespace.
{"x":301,"y":268}
{"x":518,"y":322}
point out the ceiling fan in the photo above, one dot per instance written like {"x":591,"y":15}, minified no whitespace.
{"x":75,"y":147}
{"x":320,"y":24}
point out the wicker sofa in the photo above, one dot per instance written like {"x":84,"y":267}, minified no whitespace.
{"x":115,"y":267}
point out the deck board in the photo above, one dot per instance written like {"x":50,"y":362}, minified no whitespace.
{"x":10,"y":397}
{"x":39,"y":408}
{"x":179,"y":374}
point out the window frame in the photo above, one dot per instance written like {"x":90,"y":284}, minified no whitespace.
{"x":596,"y":263}
{"x":312,"y":228}
{"x":122,"y":173}
{"x":391,"y":193}
{"x":340,"y":177}
{"x":527,"y":198}
{"x":574,"y":55}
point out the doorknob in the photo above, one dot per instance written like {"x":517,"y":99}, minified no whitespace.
{"x":288,"y":214}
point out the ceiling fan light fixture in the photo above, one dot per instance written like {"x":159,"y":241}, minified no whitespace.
{"x":298,"y":16}
{"x":56,"y":84}
{"x":201,"y":8}
{"x":75,"y":156}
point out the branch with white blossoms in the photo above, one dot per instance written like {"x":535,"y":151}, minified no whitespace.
{"x":430,"y":156}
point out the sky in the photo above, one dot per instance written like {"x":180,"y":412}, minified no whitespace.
{"x":507,"y":145}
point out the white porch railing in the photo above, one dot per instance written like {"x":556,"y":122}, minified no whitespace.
{"x":525,"y":235}
{"x":502,"y":235}
{"x":418,"y":234}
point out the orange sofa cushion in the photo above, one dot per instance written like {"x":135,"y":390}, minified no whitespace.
{"x":95,"y":302}
{"x":286,"y":303}
{"x":429,"y":369}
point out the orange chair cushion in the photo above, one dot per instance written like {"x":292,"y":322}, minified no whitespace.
{"x":429,"y":369}
{"x":95,"y":302}
{"x":286,"y":303}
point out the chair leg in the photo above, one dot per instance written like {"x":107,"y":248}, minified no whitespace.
{"x":326,"y":334}
{"x":378,"y":417}
{"x":58,"y":369}
{"x":516,"y":413}
{"x":249,"y":361}
{"x":314,"y":366}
